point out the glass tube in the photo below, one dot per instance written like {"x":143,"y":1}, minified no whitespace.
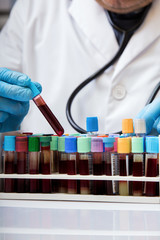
{"x":46,"y":168}
{"x":123,"y":165}
{"x":137,"y":189}
{"x":21,"y":155}
{"x":151,"y":171}
{"x":71,"y":170}
{"x":9,"y":157}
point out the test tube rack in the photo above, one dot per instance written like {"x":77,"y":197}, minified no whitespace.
{"x":78,"y":197}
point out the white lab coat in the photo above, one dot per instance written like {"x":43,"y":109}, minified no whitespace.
{"x":59,"y":43}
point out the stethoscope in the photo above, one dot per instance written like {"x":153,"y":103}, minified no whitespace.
{"x":125,"y":39}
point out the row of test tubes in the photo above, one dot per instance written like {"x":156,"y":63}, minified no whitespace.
{"x":92,"y":154}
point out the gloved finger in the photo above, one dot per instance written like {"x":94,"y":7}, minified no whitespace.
{"x":3,"y":116}
{"x":15,"y":92}
{"x":13,"y":107}
{"x":150,"y":113}
{"x":14,"y":77}
{"x":38,"y":85}
{"x":157,"y":125}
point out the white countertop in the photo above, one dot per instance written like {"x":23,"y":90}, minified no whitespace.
{"x":62,"y":220}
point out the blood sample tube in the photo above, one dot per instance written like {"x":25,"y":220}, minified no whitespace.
{"x":140,"y":127}
{"x":46,"y":111}
{"x":127,"y":127}
{"x":21,"y":153}
{"x":9,"y":157}
{"x":71,"y":150}
{"x":45,"y":161}
{"x":115,"y":167}
{"x":62,"y":156}
{"x":97,"y":154}
{"x":92,"y":126}
{"x":34,"y":160}
{"x":124,"y":149}
{"x":54,"y":161}
{"x":85,"y":160}
{"x":108,"y":167}
{"x":152,"y":149}
{"x":138,"y":164}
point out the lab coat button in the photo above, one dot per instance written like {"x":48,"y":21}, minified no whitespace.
{"x":119,"y":92}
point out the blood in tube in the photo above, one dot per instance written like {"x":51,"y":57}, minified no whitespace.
{"x":151,"y":172}
{"x":9,"y":158}
{"x":34,"y":159}
{"x":9,"y":169}
{"x":97,"y":154}
{"x":21,"y":152}
{"x":45,"y":110}
{"x":138,"y":172}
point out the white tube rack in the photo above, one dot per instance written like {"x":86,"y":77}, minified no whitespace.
{"x":80,"y":197}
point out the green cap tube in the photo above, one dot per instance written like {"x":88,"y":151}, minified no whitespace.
{"x":61,"y":144}
{"x":137,"y":145}
{"x":84,"y":144}
{"x":54,"y":143}
{"x":33,"y":144}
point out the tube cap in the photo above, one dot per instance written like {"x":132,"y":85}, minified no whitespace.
{"x":70,"y":144}
{"x":61,"y":144}
{"x":54,"y":143}
{"x":137,"y":145}
{"x":139,"y":126}
{"x":84,"y":144}
{"x":34,"y":89}
{"x":96,"y":144}
{"x":9,"y":143}
{"x":152,"y":144}
{"x":109,"y":141}
{"x":92,"y":124}
{"x":21,"y":144}
{"x":33,"y":144}
{"x":127,"y":126}
{"x":45,"y":141}
{"x":124,"y":145}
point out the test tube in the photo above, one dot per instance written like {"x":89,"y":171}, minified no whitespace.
{"x":71,"y":150}
{"x":115,"y":167}
{"x":34,"y":160}
{"x":97,"y":154}
{"x":45,"y":161}
{"x":151,"y":169}
{"x":124,"y":149}
{"x":138,"y":164}
{"x":9,"y":157}
{"x":92,"y":126}
{"x":21,"y":153}
{"x":108,"y":167}
{"x":84,"y":150}
{"x":127,"y":127}
{"x":140,"y":127}
{"x":54,"y":161}
{"x":46,"y":111}
{"x":62,"y":156}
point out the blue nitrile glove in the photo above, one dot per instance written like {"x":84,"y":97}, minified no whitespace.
{"x":14,"y":98}
{"x":151,"y":114}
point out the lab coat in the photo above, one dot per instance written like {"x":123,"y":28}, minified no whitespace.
{"x":59,"y":43}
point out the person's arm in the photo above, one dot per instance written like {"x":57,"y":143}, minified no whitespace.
{"x":151,"y":114}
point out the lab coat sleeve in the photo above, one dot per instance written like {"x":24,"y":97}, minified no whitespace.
{"x":11,"y":38}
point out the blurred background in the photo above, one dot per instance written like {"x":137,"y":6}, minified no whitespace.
{"x":5,"y":7}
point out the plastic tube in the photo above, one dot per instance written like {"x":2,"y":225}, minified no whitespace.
{"x":46,"y":111}
{"x":9,"y":156}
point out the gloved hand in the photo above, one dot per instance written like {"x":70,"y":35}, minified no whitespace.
{"x":151,"y":114}
{"x":14,"y":98}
